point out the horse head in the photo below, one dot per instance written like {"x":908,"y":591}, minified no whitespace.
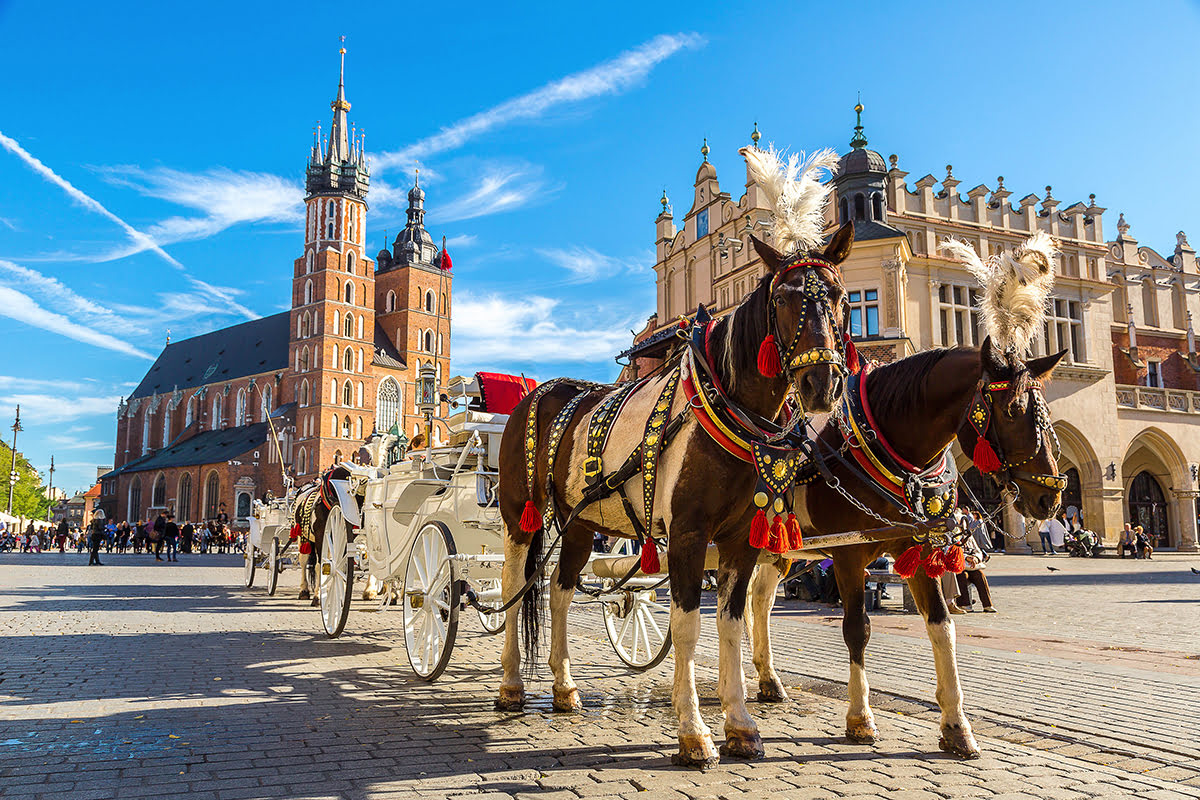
{"x":1008,"y":428}
{"x":805,"y":320}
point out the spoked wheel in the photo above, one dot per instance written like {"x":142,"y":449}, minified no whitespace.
{"x":492,"y":623}
{"x":248,"y":572}
{"x":430,"y":602}
{"x":273,"y":567}
{"x":336,"y":574}
{"x":638,"y":621}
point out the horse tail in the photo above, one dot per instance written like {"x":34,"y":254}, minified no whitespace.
{"x":533,"y":611}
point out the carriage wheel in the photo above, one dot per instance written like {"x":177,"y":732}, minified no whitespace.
{"x":248,"y":572}
{"x":492,"y":623}
{"x":336,"y":574}
{"x":430,"y":600}
{"x":273,"y":567}
{"x":638,"y":622}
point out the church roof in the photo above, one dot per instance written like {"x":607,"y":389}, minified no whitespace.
{"x":208,"y":447}
{"x":386,"y":354}
{"x":867,"y":229}
{"x":250,"y":348}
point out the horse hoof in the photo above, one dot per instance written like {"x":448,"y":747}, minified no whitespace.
{"x":370,"y":595}
{"x":862,"y":731}
{"x":771,"y":692}
{"x":696,"y":752}
{"x":567,"y":699}
{"x":742,"y":745}
{"x":304,"y":595}
{"x":510,"y":699}
{"x":959,"y":742}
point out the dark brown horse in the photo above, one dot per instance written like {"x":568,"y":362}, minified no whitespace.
{"x":313,"y":503}
{"x":703,"y":493}
{"x":896,"y":425}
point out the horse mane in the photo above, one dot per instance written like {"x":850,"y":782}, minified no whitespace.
{"x":747,"y":323}
{"x":899,"y":389}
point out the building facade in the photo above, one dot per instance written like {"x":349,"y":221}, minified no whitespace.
{"x":1125,"y":398}
{"x":220,"y":418}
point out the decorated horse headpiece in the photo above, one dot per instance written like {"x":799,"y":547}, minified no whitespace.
{"x":1016,"y":288}
{"x":795,"y":193}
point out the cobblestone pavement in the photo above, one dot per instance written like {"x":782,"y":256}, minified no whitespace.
{"x":96,"y":700}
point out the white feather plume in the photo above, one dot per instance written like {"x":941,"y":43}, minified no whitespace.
{"x":795,"y":193}
{"x":1016,"y":287}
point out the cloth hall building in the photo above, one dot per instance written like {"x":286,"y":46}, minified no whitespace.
{"x":1125,"y":399}
{"x":195,"y":436}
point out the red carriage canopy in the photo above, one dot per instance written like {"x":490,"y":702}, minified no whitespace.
{"x":500,"y":393}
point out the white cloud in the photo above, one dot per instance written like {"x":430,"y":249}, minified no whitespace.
{"x":612,"y":77}
{"x":69,"y":302}
{"x":73,"y":443}
{"x":462,"y":240}
{"x":586,"y":264}
{"x":493,"y":331}
{"x":501,"y":187}
{"x":23,"y":308}
{"x":50,"y":409}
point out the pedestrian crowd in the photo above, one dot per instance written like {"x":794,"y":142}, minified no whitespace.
{"x":161,"y":536}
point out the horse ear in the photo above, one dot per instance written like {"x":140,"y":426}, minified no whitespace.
{"x":839,"y":245}
{"x":993,"y":362}
{"x":1041,"y":368}
{"x":770,"y":256}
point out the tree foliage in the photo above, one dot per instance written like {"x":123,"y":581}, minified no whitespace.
{"x":29,"y":495}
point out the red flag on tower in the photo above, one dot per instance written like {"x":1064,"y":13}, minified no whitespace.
{"x":445,"y":263}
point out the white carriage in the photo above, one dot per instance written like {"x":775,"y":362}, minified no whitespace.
{"x":430,"y":532}
{"x":269,"y":543}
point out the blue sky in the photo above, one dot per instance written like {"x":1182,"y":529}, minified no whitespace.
{"x":152,"y":155}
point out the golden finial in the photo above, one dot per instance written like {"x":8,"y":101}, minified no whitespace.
{"x":664,"y":200}
{"x":704,"y":149}
{"x":754,"y":137}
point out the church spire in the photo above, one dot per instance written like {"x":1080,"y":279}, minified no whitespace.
{"x":339,"y":139}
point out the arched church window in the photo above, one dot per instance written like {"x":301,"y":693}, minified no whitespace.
{"x":860,"y":207}
{"x":239,"y":416}
{"x":190,"y":413}
{"x":348,"y":360}
{"x":359,"y":361}
{"x":304,"y":393}
{"x":212,"y":495}
{"x":363,"y":294}
{"x":349,"y":293}
{"x":304,"y":360}
{"x":429,"y":301}
{"x":158,"y":495}
{"x":266,"y":405}
{"x":390,"y":304}
{"x":387,"y":405}
{"x":308,"y":291}
{"x":216,"y":412}
{"x":330,"y":215}
{"x":305,"y":324}
{"x":346,"y":427}
{"x":844,"y":210}
{"x":428,"y":341}
{"x":348,"y":328}
{"x":360,"y":327}
{"x":308,"y":261}
{"x":360,"y":395}
{"x":334,"y":430}
{"x":166,"y":431}
{"x":350,"y":255}
{"x":347,"y":394}
{"x":301,"y":465}
{"x":358,"y":428}
{"x":877,"y":207}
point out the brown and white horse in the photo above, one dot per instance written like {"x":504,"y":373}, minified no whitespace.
{"x":703,"y":493}
{"x":919,"y":405}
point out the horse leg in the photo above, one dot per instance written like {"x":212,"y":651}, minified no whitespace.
{"x":306,"y":586}
{"x":686,"y":572}
{"x":956,"y":736}
{"x":371,"y":589}
{"x":742,"y":739}
{"x":562,"y":590}
{"x":763,"y":585}
{"x":856,"y":631}
{"x":512,"y":688}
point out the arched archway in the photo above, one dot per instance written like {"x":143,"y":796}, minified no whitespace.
{"x":1154,"y":467}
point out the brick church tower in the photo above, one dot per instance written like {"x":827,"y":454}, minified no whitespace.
{"x":332,"y":329}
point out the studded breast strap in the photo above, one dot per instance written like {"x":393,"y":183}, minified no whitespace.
{"x":652,"y":444}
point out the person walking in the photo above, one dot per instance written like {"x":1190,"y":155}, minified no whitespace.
{"x":186,"y":535}
{"x":171,"y":537}
{"x":64,"y":530}
{"x":96,"y":538}
{"x":160,"y":525}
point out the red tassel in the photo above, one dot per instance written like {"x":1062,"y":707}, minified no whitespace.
{"x":795,"y":537}
{"x":853,"y":362}
{"x":768,"y":357}
{"x":955,"y":561}
{"x":779,"y":541}
{"x":985,"y":457}
{"x":531,"y":520}
{"x":908,"y":562}
{"x":650,"y":564}
{"x":295,"y":532}
{"x":935,"y":565}
{"x":305,"y":548}
{"x":759,"y":530}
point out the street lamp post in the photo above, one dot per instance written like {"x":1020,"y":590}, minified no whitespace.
{"x":50,"y":507}
{"x":12,"y":475}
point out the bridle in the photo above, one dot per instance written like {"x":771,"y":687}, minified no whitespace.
{"x":979,"y":415}
{"x":813,"y":290}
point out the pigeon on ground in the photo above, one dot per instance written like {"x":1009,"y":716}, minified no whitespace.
{"x":1052,"y":569}
{"x":1195,"y":571}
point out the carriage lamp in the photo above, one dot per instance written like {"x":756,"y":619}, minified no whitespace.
{"x":427,"y":389}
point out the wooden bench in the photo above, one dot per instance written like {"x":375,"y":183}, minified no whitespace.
{"x":878,"y":578}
